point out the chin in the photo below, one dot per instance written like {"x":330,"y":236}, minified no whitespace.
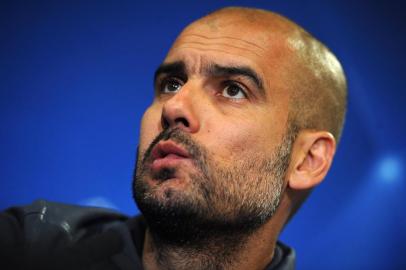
{"x":172,"y":191}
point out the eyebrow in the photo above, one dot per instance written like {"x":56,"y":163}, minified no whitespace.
{"x":224,"y":71}
{"x":176,"y":68}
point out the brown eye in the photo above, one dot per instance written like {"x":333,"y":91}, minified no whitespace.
{"x":171,"y":85}
{"x":234,"y":91}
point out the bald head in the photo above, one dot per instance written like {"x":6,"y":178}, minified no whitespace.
{"x":312,"y":76}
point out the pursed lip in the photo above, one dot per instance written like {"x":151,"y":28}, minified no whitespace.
{"x":166,"y":154}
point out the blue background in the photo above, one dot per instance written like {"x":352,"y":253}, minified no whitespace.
{"x":75,"y":78}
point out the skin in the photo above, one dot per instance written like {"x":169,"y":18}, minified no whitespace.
{"x":242,"y":125}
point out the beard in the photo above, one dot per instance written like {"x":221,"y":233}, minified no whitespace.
{"x":222,"y":204}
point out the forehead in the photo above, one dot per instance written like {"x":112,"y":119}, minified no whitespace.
{"x":200,"y":49}
{"x":228,"y":36}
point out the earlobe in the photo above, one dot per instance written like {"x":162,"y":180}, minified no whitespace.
{"x":312,"y":156}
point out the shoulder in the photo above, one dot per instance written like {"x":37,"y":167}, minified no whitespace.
{"x":52,"y":212}
{"x":43,"y":227}
{"x":45,"y":219}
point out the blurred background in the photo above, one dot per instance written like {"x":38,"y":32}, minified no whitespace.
{"x":76,"y":76}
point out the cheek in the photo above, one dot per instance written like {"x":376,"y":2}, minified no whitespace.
{"x":249,"y":135}
{"x":233,"y":142}
{"x":150,"y":127}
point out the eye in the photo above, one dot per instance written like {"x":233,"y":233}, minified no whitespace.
{"x":171,"y":85}
{"x":234,"y":91}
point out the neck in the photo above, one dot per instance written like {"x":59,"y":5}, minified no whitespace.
{"x":245,"y":252}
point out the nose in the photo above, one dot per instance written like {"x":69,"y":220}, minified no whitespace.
{"x":180,"y":111}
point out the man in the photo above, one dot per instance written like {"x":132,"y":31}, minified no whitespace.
{"x":247,"y":113}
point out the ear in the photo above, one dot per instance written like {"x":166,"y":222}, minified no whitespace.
{"x":311,"y":159}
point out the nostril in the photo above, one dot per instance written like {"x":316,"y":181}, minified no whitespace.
{"x":164,"y":122}
{"x":182,"y":121}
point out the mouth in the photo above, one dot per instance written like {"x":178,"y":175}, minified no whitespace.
{"x":167,"y":154}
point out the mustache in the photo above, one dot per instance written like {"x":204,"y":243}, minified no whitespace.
{"x":196,"y":151}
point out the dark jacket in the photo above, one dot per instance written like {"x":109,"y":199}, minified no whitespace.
{"x":48,"y":235}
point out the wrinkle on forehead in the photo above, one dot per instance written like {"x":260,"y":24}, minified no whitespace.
{"x":206,"y":44}
{"x":257,"y":49}
{"x":195,"y":64}
{"x":226,"y":38}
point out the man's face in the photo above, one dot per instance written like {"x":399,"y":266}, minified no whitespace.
{"x":214,"y":145}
